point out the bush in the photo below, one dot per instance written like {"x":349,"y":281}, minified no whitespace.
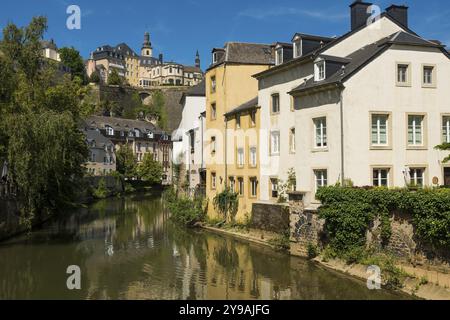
{"x":312,"y":251}
{"x":281,"y":243}
{"x":348,"y":213}
{"x":101,"y":192}
{"x":184,"y":210}
{"x":227,"y":204}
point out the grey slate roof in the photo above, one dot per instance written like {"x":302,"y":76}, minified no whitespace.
{"x":192,"y":69}
{"x":49,"y":45}
{"x":100,"y":140}
{"x":358,"y":59}
{"x":120,"y":124}
{"x":312,"y":37}
{"x":249,"y":105}
{"x":196,"y":91}
{"x":246,"y":53}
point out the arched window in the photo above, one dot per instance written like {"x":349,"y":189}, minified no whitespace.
{"x":137,"y":133}
{"x":109,"y":131}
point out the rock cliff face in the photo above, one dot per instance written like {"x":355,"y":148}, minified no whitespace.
{"x":124,"y":97}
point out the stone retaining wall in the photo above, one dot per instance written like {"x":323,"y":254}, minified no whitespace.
{"x":270,"y":217}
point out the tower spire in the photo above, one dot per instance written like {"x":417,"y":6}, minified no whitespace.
{"x":197,"y":60}
{"x":147,"y":50}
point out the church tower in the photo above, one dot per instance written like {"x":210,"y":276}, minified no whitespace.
{"x":147,"y":50}
{"x":197,"y":60}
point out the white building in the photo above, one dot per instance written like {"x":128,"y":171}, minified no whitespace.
{"x":369,"y":107}
{"x":188,"y":138}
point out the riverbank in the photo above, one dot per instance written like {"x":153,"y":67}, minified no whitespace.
{"x":419,"y":283}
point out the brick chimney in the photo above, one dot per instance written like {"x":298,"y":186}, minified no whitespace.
{"x":399,"y":13}
{"x":359,"y":14}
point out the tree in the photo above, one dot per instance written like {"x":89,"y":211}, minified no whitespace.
{"x":94,"y":78}
{"x":38,"y":123}
{"x":114,"y":79}
{"x":126,"y":162}
{"x":444,"y":147}
{"x":71,"y":58}
{"x":150,"y":170}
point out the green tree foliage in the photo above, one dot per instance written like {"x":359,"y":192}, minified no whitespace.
{"x":40,"y":113}
{"x":94,"y":78}
{"x":126,"y":162}
{"x":114,"y":79}
{"x":227,"y":204}
{"x":150,"y":170}
{"x":444,"y":147}
{"x":71,"y":58}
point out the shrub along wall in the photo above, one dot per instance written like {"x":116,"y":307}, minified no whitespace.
{"x":405,"y":222}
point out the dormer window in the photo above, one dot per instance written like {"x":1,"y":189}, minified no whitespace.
{"x":297,"y":48}
{"x":109,"y":131}
{"x":137,"y":133}
{"x":215,"y":57}
{"x":150,"y":135}
{"x":319,"y":70}
{"x":279,"y":56}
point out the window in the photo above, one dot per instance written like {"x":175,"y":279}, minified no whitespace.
{"x":240,"y":154}
{"x":415,"y":130}
{"x":137,"y":133}
{"x":275,"y":103}
{"x":232,"y":184}
{"x":381,"y":177}
{"x":213,"y":180}
{"x":213,"y":84}
{"x":241,"y":186}
{"x":238,"y":121}
{"x":297,"y":48}
{"x":139,"y":147}
{"x":446,"y":129}
{"x":253,"y":118}
{"x":403,"y":74}
{"x":253,"y":157}
{"x":320,"y":127}
{"x":319,"y":71}
{"x":279,"y":56}
{"x":275,"y":142}
{"x":292,"y":140}
{"x":428,"y":76}
{"x":215,"y":57}
{"x":274,"y":188}
{"x":213,"y":112}
{"x":109,"y":131}
{"x":380,"y":129}
{"x":321,"y":178}
{"x":213,"y":144}
{"x":253,"y":187}
{"x":417,"y":176}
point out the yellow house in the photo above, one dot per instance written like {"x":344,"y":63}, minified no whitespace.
{"x":232,"y":123}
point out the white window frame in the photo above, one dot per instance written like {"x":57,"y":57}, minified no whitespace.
{"x":377,"y":174}
{"x":292,"y":142}
{"x":241,"y":188}
{"x":320,"y":178}
{"x":109,"y":131}
{"x":320,"y":124}
{"x":297,"y":46}
{"x":406,"y":82}
{"x":275,"y":142}
{"x":253,"y":157}
{"x":446,"y":128}
{"x":274,"y":188}
{"x":415,"y":134}
{"x":378,"y":143}
{"x":414,"y":175}
{"x":279,"y":53}
{"x":240,"y":157}
{"x":319,"y":70}
{"x":275,"y":97}
{"x":253,"y":187}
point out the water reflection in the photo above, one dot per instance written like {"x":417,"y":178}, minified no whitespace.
{"x":129,"y":249}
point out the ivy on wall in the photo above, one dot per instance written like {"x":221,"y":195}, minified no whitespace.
{"x":348,"y":213}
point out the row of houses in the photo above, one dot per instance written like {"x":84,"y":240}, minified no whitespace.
{"x":366,"y":108}
{"x":142,"y":70}
{"x":106,"y":135}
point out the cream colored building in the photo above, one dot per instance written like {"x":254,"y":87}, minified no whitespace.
{"x":369,"y":107}
{"x":231,"y":92}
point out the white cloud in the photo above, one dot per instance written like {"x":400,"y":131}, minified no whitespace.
{"x":261,"y":14}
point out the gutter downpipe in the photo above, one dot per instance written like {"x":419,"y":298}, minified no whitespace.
{"x":341,"y":87}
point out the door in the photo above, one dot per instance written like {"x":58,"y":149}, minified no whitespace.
{"x":447,"y":176}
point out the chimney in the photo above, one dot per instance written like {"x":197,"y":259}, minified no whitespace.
{"x":161,"y":57}
{"x":359,"y":13}
{"x":399,"y":13}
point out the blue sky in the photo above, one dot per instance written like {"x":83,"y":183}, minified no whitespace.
{"x":179,"y":28}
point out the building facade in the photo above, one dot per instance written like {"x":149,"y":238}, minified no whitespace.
{"x":190,"y":137}
{"x":142,"y":70}
{"x":102,"y":157}
{"x":141,"y":136}
{"x":230,"y":87}
{"x":368,"y":108}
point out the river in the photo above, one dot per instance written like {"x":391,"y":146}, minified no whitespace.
{"x":128,"y":248}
